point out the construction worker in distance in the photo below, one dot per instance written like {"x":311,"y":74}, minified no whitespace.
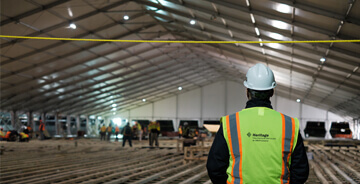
{"x":154,"y":129}
{"x":102,"y":132}
{"x":258,"y":144}
{"x":117,"y":131}
{"x":2,"y":134}
{"x":126,"y":131}
{"x":180,"y":131}
{"x":186,"y":131}
{"x":42,"y":129}
{"x":23,"y":137}
{"x":109,"y":131}
{"x":139,"y":130}
{"x":28,"y":131}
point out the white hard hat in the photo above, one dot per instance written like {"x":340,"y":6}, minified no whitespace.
{"x":260,"y":77}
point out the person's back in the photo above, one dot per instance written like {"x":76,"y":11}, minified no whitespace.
{"x":255,"y":136}
{"x":103,"y":129}
{"x":258,"y":144}
{"x":127,"y":130}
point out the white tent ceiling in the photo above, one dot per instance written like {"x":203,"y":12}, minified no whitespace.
{"x":74,"y":77}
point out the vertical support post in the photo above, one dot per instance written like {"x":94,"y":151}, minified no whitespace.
{"x":201,"y":107}
{"x":57,"y":126}
{"x":302,"y":124}
{"x":30,"y":118}
{"x":97,"y":124}
{"x":87,"y":125}
{"x":177,"y":123}
{"x":77,"y":123}
{"x":43,"y":117}
{"x":13,"y":119}
{"x":327,"y":126}
{"x":68,"y":119}
{"x":153,"y":112}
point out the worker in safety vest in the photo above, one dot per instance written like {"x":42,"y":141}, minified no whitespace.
{"x":180,"y":131}
{"x":154,"y":129}
{"x":23,"y":137}
{"x":139,"y":130}
{"x":258,"y":144}
{"x":2,"y":134}
{"x":102,"y":132}
{"x":109,"y":131}
{"x":117,"y":131}
{"x":186,"y":131}
{"x":42,"y":129}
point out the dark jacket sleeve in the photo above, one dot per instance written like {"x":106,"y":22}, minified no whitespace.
{"x":299,"y":168}
{"x":218,"y":159}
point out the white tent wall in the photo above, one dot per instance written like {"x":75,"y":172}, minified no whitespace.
{"x":221,"y":98}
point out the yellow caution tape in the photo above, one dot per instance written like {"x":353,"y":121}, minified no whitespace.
{"x":173,"y":41}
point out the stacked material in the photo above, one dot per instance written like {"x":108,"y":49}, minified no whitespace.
{"x":92,"y":161}
{"x":339,"y":164}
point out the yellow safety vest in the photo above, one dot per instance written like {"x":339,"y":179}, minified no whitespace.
{"x":260,"y":142}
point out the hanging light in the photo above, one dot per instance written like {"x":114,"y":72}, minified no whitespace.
{"x":72,"y":26}
{"x":192,"y":22}
{"x":298,"y":100}
{"x":179,"y":88}
{"x":144,"y":100}
{"x":322,"y":59}
{"x":126,"y":17}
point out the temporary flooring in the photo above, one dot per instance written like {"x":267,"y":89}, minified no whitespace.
{"x":94,"y":161}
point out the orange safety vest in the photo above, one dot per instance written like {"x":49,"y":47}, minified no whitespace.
{"x":7,"y":134}
{"x":42,"y":127}
{"x":117,"y":129}
{"x":109,"y":129}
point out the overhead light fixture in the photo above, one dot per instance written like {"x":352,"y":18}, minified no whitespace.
{"x":126,"y":17}
{"x":179,"y":88}
{"x":70,"y":12}
{"x":99,"y":117}
{"x":113,"y":109}
{"x":279,"y":24}
{"x":257,"y":31}
{"x":112,"y":101}
{"x":274,"y":45}
{"x":247,"y":3}
{"x":192,"y":22}
{"x":276,"y":36}
{"x":298,"y":100}
{"x":114,"y":113}
{"x":355,"y":69}
{"x":113,"y":105}
{"x":283,"y":8}
{"x":72,"y":26}
{"x":322,"y":59}
{"x":260,"y":40}
{"x":144,"y":100}
{"x":252,"y":18}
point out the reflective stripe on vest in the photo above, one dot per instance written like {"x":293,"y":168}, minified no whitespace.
{"x":287,"y":145}
{"x":283,"y":136}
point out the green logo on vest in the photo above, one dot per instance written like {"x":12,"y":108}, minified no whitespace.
{"x":248,"y":134}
